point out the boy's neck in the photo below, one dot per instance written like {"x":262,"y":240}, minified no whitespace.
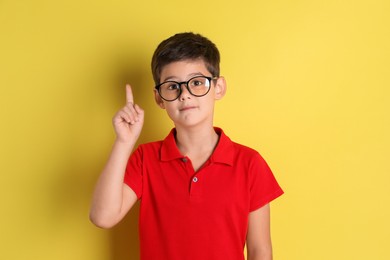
{"x":196,"y":140}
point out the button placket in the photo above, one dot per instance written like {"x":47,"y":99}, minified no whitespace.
{"x":195,"y":183}
{"x":185,"y":163}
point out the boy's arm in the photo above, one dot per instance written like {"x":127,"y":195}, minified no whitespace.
{"x":112,"y":198}
{"x":258,"y":242}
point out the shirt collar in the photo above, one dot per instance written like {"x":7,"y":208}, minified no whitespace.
{"x":169,"y":150}
{"x":223,"y":153}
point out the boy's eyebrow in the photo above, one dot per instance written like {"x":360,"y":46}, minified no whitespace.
{"x":189,"y":76}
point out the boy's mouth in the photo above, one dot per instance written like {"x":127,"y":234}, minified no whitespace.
{"x":185,"y":108}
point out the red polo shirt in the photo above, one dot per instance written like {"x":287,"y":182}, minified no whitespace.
{"x":197,"y":215}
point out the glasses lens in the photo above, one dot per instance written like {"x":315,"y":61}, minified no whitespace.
{"x":199,"y":86}
{"x":170,"y":90}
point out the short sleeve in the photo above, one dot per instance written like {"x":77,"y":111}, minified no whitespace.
{"x":133,"y":174}
{"x":263,"y":186}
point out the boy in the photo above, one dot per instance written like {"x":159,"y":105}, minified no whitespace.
{"x":202,"y":195}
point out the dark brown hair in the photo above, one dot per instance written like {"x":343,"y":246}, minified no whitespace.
{"x":185,"y":46}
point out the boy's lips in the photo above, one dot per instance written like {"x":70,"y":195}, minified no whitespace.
{"x":186,"y":108}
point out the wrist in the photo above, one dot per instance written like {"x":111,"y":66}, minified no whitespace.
{"x":124,"y":142}
{"x":124,"y":145}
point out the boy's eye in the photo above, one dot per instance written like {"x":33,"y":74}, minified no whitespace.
{"x":197,"y":82}
{"x":172,"y":86}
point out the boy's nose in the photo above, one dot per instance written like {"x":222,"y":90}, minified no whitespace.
{"x":185,"y":94}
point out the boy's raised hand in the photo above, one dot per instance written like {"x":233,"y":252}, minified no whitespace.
{"x":129,"y":120}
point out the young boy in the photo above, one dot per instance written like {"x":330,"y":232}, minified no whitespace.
{"x":202,"y":196}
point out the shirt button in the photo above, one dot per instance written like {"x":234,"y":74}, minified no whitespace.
{"x":195,"y":179}
{"x":184,"y":159}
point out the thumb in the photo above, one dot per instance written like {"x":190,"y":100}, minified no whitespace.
{"x":139,"y":110}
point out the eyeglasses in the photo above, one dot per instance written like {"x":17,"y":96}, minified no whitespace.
{"x":197,"y":86}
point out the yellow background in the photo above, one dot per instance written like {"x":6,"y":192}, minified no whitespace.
{"x":308,"y":87}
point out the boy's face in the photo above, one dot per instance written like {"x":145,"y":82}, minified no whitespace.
{"x":189,"y":110}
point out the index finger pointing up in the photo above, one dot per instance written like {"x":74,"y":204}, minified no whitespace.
{"x":129,"y":94}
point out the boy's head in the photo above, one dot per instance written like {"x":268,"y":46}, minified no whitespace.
{"x":185,"y":46}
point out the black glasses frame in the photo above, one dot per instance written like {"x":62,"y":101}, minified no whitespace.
{"x":157,"y":87}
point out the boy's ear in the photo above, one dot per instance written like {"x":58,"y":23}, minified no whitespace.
{"x":158,"y":100}
{"x":220,"y":88}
